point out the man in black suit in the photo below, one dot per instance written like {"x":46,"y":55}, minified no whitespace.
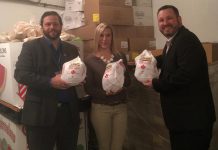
{"x":50,"y":113}
{"x":183,"y":84}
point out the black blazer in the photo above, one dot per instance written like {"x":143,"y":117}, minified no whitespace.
{"x":183,"y":84}
{"x":35,"y":67}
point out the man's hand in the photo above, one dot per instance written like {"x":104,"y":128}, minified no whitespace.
{"x":58,"y":83}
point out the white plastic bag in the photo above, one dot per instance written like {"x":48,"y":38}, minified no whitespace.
{"x":73,"y":72}
{"x":145,"y":66}
{"x":113,"y":78}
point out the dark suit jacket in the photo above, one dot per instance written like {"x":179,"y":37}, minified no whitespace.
{"x":183,"y":84}
{"x":35,"y":67}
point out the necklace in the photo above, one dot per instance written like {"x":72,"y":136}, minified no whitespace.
{"x":107,"y":61}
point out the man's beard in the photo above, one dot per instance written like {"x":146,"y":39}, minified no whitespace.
{"x":54,"y":37}
{"x":169,"y":34}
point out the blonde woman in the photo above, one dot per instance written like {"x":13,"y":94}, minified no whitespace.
{"x":109,"y":110}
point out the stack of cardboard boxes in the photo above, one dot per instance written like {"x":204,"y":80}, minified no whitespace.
{"x":132,"y":24}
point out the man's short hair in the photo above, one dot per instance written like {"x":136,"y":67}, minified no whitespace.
{"x":50,"y":13}
{"x":176,"y":11}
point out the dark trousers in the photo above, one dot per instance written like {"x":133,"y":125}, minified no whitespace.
{"x":63,"y":134}
{"x":191,"y":139}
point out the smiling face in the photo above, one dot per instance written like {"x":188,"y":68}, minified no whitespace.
{"x":51,"y":27}
{"x":105,"y":39}
{"x":168,"y":22}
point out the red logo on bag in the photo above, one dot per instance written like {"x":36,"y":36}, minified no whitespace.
{"x":142,"y":66}
{"x":106,"y":76}
{"x":22,"y":91}
{"x":73,"y":72}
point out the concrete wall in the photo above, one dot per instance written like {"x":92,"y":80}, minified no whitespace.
{"x":11,"y":13}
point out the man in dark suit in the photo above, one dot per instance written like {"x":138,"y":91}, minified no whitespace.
{"x":50,"y":113}
{"x":183,"y":84}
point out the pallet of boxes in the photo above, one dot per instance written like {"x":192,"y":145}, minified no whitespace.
{"x":132,"y":22}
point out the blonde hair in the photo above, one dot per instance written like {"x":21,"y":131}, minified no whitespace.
{"x":98,"y":31}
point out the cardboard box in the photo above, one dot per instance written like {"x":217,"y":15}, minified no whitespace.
{"x":143,"y":16}
{"x":134,"y":31}
{"x":74,"y":5}
{"x":115,"y":15}
{"x":147,"y":3}
{"x":144,"y":31}
{"x":140,"y":44}
{"x":115,"y":2}
{"x":211,"y":50}
{"x":86,"y":32}
{"x":121,"y":44}
{"x":88,"y":47}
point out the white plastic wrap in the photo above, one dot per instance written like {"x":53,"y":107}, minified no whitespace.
{"x":113,"y":78}
{"x":146,"y":68}
{"x":74,"y":72}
